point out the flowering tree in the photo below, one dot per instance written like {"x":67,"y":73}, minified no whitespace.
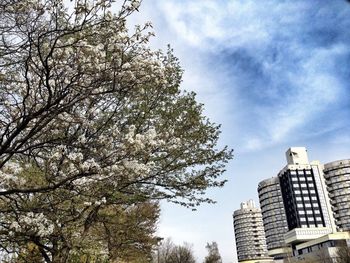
{"x":91,"y":119}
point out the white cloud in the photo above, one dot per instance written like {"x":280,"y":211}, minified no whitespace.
{"x":194,"y":22}
{"x":229,"y":23}
{"x":197,"y":28}
{"x":317,"y":87}
{"x":212,"y":25}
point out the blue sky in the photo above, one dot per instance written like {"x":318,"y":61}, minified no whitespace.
{"x":275,"y":74}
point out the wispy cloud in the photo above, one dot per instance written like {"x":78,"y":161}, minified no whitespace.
{"x":285,"y":61}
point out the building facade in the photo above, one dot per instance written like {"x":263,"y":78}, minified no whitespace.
{"x":337,"y":175}
{"x":249,"y":233}
{"x":274,"y":217}
{"x":305,"y":198}
{"x":323,"y":249}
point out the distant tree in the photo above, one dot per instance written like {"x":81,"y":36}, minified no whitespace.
{"x":181,"y":254}
{"x":343,"y":255}
{"x":164,"y":250}
{"x":213,"y":253}
{"x":168,"y":252}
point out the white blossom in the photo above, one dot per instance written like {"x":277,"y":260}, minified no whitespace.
{"x":75,"y":156}
{"x":11,"y":174}
{"x":90,"y":164}
{"x":33,"y":222}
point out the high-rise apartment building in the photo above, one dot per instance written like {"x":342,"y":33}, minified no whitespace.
{"x":274,"y":217}
{"x":337,"y":175}
{"x":249,"y":233}
{"x":297,"y":208}
{"x":305,"y":198}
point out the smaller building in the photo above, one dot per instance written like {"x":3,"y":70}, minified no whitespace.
{"x":323,"y":249}
{"x":249,"y":233}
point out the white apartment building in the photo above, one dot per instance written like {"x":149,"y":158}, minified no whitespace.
{"x":249,"y":233}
